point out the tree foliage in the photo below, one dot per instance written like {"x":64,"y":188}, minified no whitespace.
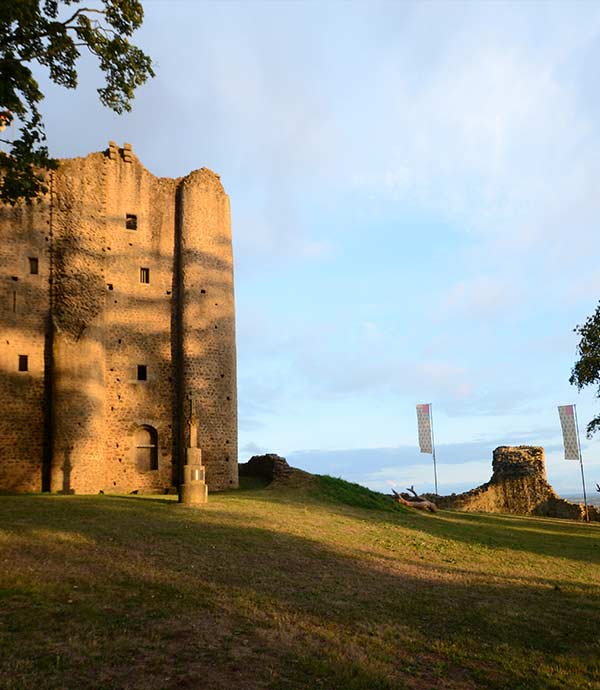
{"x":51,"y":34}
{"x":586,"y":370}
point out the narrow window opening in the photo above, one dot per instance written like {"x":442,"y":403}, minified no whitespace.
{"x":14,"y":278}
{"x":130,"y":221}
{"x":142,"y":372}
{"x":34,"y":266}
{"x":144,"y":275}
{"x":109,"y":286}
{"x":23,"y":363}
{"x":202,"y":292}
{"x":14,"y":301}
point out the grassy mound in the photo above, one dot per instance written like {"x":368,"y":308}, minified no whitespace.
{"x":317,"y":584}
{"x":340,"y":491}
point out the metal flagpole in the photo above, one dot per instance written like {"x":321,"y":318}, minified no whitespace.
{"x":433,"y":448}
{"x":587,"y":517}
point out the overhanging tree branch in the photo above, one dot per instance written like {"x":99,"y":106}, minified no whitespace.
{"x":586,"y":370}
{"x":83,"y":10}
{"x":30,"y":32}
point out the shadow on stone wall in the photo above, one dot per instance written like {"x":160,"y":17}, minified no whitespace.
{"x":80,"y":301}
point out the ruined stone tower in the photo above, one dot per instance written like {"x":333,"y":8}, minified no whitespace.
{"x":118,"y":310}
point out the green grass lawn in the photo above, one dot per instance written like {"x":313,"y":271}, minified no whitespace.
{"x":318,"y":584}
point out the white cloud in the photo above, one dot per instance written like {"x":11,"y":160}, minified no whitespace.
{"x":252,"y":448}
{"x":460,"y":478}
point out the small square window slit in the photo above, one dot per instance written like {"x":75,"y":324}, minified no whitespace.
{"x":130,"y":221}
{"x":34,"y":266}
{"x":142,"y":372}
{"x":23,"y":363}
{"x":144,"y":275}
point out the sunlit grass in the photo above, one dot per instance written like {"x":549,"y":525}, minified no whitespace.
{"x":320,"y":584}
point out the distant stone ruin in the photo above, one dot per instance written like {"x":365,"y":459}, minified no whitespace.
{"x":271,"y":467}
{"x":518,"y":486}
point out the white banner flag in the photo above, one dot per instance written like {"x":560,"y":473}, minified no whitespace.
{"x":569,"y":430}
{"x":424,"y":425}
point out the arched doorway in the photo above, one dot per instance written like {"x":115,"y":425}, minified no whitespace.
{"x":146,"y":448}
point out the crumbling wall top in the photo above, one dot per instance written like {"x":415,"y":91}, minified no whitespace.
{"x":510,"y":462}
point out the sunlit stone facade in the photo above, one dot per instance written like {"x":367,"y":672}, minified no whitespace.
{"x":117,"y":322}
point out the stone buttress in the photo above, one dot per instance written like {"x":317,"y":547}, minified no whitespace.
{"x":207,"y":326}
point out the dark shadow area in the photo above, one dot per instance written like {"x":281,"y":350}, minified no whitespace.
{"x":177,"y":414}
{"x":542,"y":536}
{"x":150,"y":498}
{"x":48,"y":408}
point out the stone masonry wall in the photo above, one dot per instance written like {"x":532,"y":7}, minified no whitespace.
{"x":82,"y":403}
{"x":24,"y":311}
{"x":79,"y":239}
{"x":138,"y":323}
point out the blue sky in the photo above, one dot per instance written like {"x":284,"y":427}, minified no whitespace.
{"x":415,"y":207}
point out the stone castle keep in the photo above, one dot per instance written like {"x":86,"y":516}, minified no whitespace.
{"x":117,"y":325}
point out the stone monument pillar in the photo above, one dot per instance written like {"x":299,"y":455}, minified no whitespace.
{"x":193,"y":490}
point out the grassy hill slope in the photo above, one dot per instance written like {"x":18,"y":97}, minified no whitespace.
{"x":317,"y":584}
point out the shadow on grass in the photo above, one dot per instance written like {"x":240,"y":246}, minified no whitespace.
{"x":540,"y":536}
{"x":145,"y":498}
{"x":131,"y":592}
